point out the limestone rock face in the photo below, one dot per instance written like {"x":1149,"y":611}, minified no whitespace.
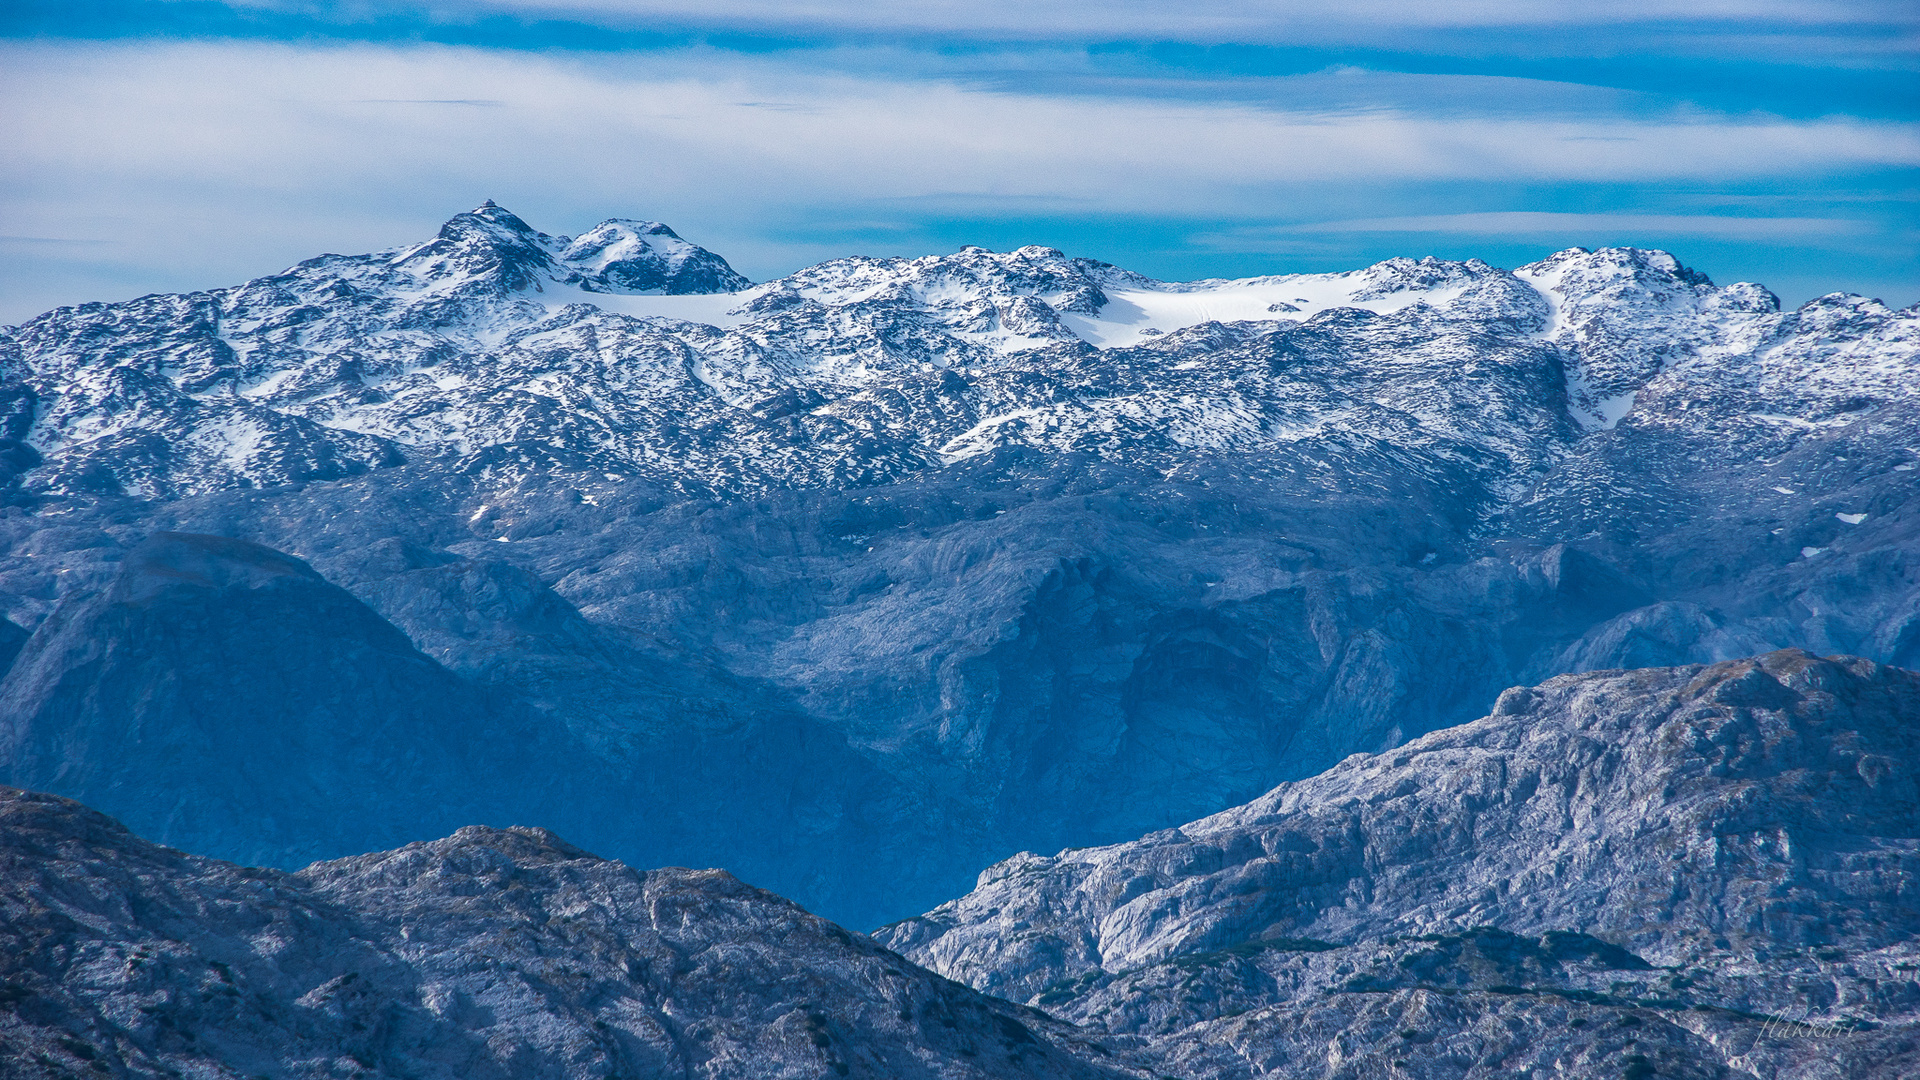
{"x":1697,"y":872}
{"x":493,"y":953}
{"x":1712,"y":868}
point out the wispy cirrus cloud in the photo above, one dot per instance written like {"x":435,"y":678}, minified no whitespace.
{"x":209,"y":158}
{"x":698,"y":133}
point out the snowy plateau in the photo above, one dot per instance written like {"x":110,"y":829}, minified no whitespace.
{"x":1430,"y":670}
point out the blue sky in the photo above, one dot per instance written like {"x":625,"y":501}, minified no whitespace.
{"x":160,"y":145}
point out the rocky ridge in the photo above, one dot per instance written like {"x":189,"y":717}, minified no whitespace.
{"x":1710,"y":871}
{"x":499,"y":348}
{"x":491,"y":953}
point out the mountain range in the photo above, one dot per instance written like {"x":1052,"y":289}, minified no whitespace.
{"x":859,"y":580}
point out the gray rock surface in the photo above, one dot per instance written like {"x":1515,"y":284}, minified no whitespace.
{"x":1711,"y":871}
{"x":493,"y":953}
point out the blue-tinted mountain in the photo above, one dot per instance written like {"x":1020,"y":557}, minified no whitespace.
{"x":225,"y":694}
{"x":1697,"y":872}
{"x":1012,"y":550}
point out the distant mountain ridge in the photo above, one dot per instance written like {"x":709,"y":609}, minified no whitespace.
{"x":918,"y":561}
{"x":470,"y":348}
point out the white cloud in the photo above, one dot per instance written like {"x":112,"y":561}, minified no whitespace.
{"x":204,"y":164}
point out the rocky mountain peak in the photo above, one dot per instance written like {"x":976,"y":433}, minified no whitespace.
{"x":41,"y":825}
{"x":494,"y":214}
{"x":971,"y":276}
{"x":473,"y":857}
{"x":489,"y":955}
{"x":626,"y":256}
{"x":519,"y":843}
{"x":492,"y":249}
{"x":489,"y":245}
{"x":1398,"y":275}
{"x":1647,"y":264}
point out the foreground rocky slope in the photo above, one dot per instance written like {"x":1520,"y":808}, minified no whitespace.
{"x":1700,"y":872}
{"x":501,"y":953}
{"x":1672,"y":872}
{"x":1016,"y":550}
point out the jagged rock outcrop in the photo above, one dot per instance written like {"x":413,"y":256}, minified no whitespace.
{"x":493,"y":953}
{"x":1710,"y":871}
{"x":1691,"y":872}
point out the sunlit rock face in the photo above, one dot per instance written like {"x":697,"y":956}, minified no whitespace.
{"x":856,"y":581}
{"x":1709,"y":869}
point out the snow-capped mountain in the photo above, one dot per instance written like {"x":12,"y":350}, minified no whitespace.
{"x":928,"y":560}
{"x":493,"y":346}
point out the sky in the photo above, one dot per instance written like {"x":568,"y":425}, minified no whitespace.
{"x":169,"y":145}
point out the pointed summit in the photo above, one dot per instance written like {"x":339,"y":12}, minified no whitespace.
{"x":487,"y":244}
{"x":491,"y":246}
{"x":494,"y":214}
